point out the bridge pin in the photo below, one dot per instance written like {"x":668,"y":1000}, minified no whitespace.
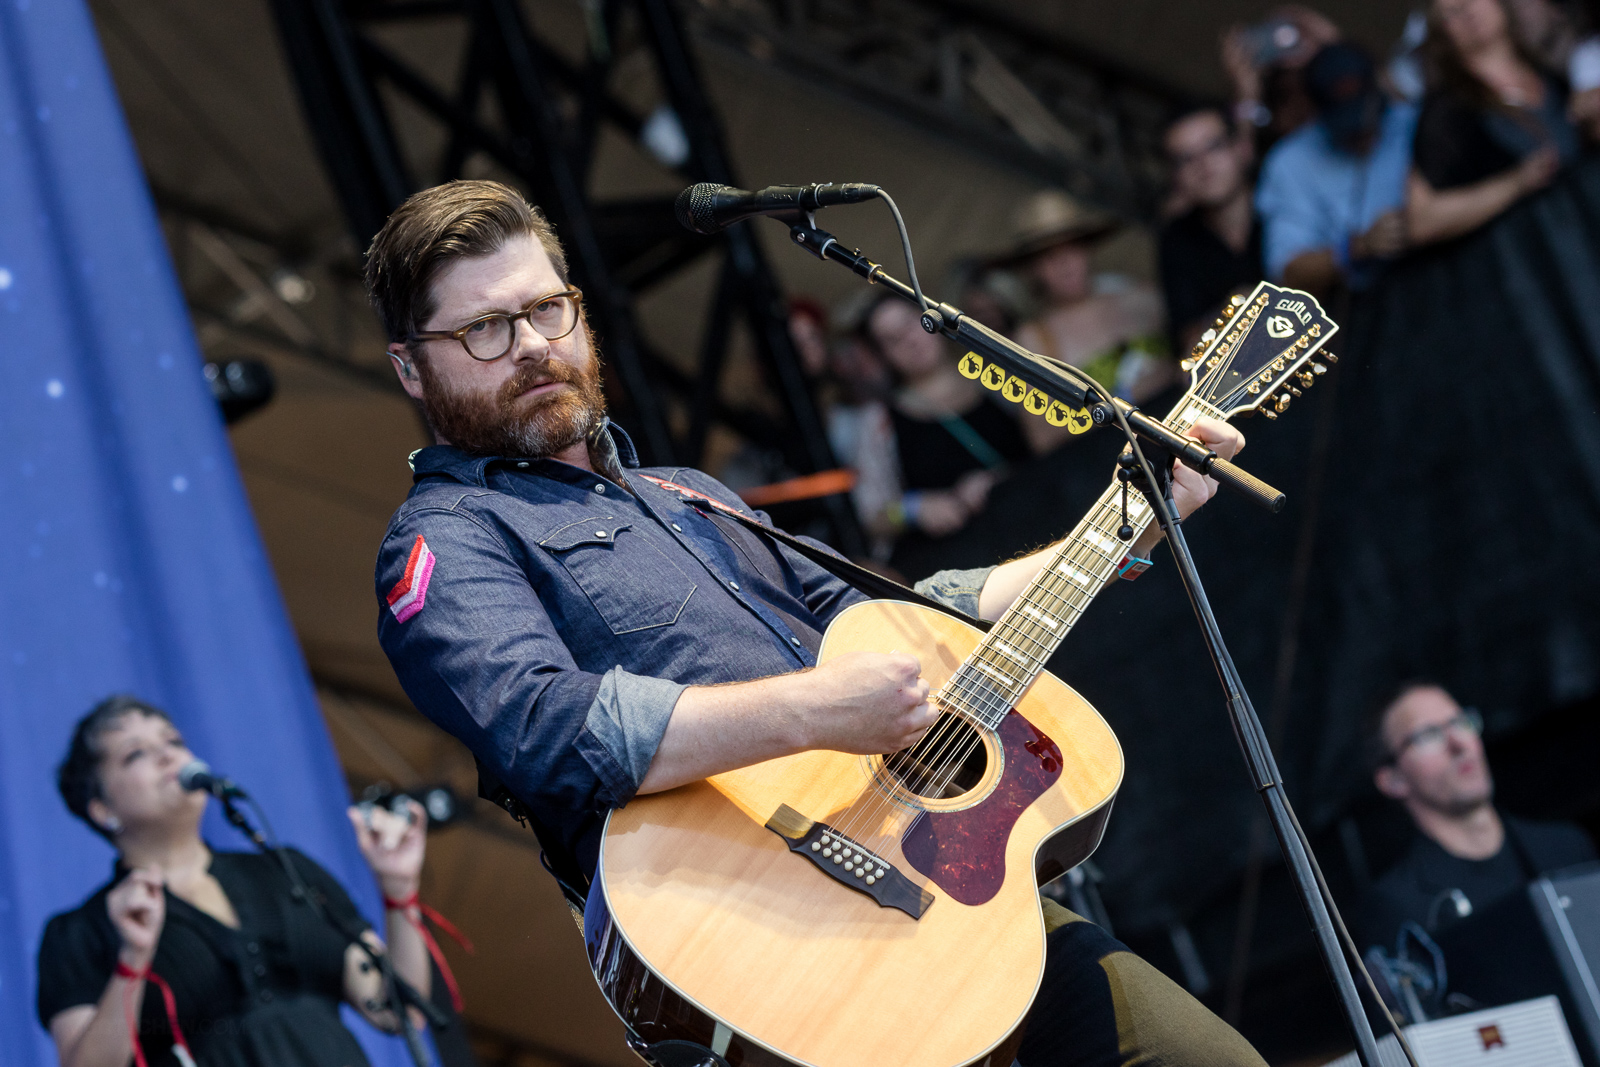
{"x":827,"y":852}
{"x":849,"y":867}
{"x":838,"y":859}
{"x":858,"y":872}
{"x":815,"y":846}
{"x":870,"y":879}
{"x":826,"y":840}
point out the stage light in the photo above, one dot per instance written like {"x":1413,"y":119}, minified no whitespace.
{"x":240,"y":386}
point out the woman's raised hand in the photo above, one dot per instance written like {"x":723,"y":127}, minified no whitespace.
{"x":138,"y":909}
{"x":392,"y":844}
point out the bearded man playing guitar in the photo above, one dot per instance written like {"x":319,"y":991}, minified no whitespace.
{"x":592,"y":635}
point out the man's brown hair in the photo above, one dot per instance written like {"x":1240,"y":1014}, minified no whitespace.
{"x":434,"y":227}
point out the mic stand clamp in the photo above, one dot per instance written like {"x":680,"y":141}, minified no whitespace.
{"x":400,"y":993}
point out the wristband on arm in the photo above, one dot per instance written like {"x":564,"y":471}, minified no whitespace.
{"x":415,"y":912}
{"x":1132,"y":566}
{"x":180,"y":1047}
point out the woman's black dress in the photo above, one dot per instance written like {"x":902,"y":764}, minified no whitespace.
{"x":264,"y":995}
{"x":934,"y":454}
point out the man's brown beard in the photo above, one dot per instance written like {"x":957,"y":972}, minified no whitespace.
{"x":500,"y":425}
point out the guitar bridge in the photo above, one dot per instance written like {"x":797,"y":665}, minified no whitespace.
{"x":846,"y":861}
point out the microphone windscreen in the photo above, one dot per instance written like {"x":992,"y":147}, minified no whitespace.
{"x":695,"y":205}
{"x":196,"y":774}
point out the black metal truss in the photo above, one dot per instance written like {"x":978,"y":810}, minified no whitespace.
{"x":992,"y":85}
{"x":546,"y":113}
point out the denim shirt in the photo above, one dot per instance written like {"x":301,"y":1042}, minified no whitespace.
{"x":549,"y":618}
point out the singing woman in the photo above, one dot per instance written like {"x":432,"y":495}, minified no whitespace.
{"x":206,"y":955}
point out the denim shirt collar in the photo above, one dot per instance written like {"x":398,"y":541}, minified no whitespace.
{"x":472,"y":469}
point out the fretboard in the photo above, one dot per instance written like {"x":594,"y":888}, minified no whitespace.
{"x":997,"y":673}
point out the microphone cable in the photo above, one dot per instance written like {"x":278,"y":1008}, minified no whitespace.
{"x":905,"y":247}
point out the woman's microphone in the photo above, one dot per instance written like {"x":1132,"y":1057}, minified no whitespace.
{"x":196,"y":775}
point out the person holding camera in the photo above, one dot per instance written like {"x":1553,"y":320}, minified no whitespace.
{"x":1332,"y":194}
{"x":191,"y":954}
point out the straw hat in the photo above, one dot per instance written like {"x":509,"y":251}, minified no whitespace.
{"x":1050,"y":218}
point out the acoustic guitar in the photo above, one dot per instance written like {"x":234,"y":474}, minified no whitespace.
{"x":883,"y":911}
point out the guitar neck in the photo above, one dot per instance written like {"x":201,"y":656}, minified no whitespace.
{"x":998,"y":672}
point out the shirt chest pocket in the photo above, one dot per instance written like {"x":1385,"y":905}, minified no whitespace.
{"x":630,"y":582}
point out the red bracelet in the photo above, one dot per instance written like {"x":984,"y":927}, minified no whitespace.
{"x":405,"y":906}
{"x":180,"y":1047}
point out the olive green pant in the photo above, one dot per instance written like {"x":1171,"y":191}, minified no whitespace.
{"x":1099,"y":1005}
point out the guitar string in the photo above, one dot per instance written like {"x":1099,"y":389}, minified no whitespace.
{"x":1079,"y":552}
{"x":1077,"y":599}
{"x":1091,"y":568}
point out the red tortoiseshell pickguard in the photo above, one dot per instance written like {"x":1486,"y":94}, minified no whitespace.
{"x":964,"y":852}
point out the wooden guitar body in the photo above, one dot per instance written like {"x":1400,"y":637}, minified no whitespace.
{"x":706,"y":926}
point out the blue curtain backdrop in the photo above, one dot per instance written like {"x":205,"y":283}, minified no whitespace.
{"x":129,"y":560}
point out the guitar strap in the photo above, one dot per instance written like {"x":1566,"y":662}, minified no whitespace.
{"x":869,"y":582}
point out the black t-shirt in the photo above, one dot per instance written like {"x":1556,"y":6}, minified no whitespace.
{"x":1418,"y":888}
{"x":1458,"y":142}
{"x":933,"y":454}
{"x":264,"y":995}
{"x":1199,"y":271}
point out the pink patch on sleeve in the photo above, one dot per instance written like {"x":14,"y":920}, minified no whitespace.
{"x":410,"y":593}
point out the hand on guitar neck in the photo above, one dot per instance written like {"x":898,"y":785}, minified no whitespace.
{"x":864,"y":702}
{"x":1189,"y":491}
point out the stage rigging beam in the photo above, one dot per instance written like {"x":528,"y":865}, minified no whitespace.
{"x":975,"y":78}
{"x":542,"y":129}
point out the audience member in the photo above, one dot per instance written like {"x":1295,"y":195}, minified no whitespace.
{"x":1109,"y":326}
{"x":808,"y":330}
{"x":954,"y":439}
{"x":1266,"y":63}
{"x":1493,"y":128}
{"x":1214,"y":249}
{"x":1467,"y":855}
{"x":989,"y":293}
{"x":1332,"y":193}
{"x":860,"y":431}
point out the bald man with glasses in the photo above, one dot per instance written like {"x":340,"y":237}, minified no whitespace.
{"x":1429,"y":756}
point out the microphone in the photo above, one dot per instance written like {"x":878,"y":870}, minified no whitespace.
{"x":196,"y":775}
{"x":710,"y":208}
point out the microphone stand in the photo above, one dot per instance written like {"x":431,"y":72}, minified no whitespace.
{"x":1247,"y":730}
{"x":399,"y":993}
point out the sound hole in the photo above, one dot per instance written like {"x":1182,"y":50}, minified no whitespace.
{"x":948,"y":761}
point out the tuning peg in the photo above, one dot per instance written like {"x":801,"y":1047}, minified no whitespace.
{"x":1269,"y":413}
{"x":1330,"y":357}
{"x":1238,"y":298}
{"x":1187,"y":364}
{"x":1293,"y":390}
{"x":1319,"y":368}
{"x":1282,"y":404}
{"x":1307,"y":379}
{"x":1209,"y":336}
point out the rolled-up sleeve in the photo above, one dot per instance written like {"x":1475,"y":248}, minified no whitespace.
{"x":477,"y":652}
{"x":956,"y":589}
{"x":628,"y":718}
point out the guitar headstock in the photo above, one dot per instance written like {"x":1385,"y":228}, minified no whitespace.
{"x":1264,"y":350}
